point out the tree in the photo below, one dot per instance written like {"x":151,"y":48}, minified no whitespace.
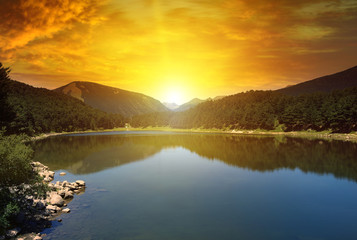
{"x":17,"y":178}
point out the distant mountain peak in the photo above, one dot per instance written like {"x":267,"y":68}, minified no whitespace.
{"x":171,"y":106}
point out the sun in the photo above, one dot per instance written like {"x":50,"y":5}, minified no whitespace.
{"x":174,"y":89}
{"x":174,"y":96}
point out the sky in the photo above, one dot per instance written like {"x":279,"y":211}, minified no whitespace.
{"x":176,"y":50}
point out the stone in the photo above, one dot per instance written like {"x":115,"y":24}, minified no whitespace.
{"x":51,"y":208}
{"x":47,"y":179}
{"x":62,"y":173}
{"x":64,"y":183}
{"x":62,"y":193}
{"x":56,"y":199}
{"x":40,"y":204}
{"x":51,"y":174}
{"x":81,"y":182}
{"x":66,"y":210}
{"x":13,"y":232}
{"x":37,"y":238}
{"x":68,"y":194}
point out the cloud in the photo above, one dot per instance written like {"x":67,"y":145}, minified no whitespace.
{"x":233,"y":45}
{"x":23,"y":21}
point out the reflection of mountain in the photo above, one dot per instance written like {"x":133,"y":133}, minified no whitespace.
{"x":86,"y":154}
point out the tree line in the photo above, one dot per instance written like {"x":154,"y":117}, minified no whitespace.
{"x":268,"y":110}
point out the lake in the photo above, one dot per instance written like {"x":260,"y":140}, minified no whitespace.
{"x":159,"y":185}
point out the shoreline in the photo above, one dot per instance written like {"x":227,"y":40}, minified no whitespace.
{"x":38,"y":213}
{"x":350,"y":137}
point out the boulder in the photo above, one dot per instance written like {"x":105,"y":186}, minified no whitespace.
{"x":13,"y":232}
{"x":68,"y":194}
{"x":81,"y":182}
{"x":51,"y":208}
{"x":47,"y":179}
{"x":51,"y":174}
{"x":62,"y":193}
{"x":66,"y":210}
{"x":56,"y":199}
{"x":62,"y":173}
{"x":64,"y":183}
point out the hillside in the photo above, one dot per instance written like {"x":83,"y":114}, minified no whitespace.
{"x":171,"y":106}
{"x":194,"y":102}
{"x":30,"y":110}
{"x":112,"y":100}
{"x":337,"y":81}
{"x":269,"y":110}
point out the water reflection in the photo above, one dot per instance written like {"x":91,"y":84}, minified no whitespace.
{"x":93,"y":153}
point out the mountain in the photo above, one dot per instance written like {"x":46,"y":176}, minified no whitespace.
{"x":218,"y":98}
{"x":112,"y":100}
{"x":171,"y":106}
{"x":30,"y":110}
{"x":337,"y":81}
{"x":194,"y":102}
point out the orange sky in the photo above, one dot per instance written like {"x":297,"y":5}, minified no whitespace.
{"x":175,"y":50}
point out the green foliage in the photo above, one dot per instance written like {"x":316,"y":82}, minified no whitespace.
{"x":17,"y":179}
{"x":9,"y":210}
{"x":266,"y":110}
{"x":15,"y":159}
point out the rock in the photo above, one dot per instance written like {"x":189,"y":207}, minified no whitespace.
{"x":40,"y":204}
{"x":81,"y":182}
{"x":36,"y":164}
{"x":66,"y":210}
{"x":62,"y":173}
{"x":13,"y":232}
{"x":62,"y":193}
{"x":59,"y":220}
{"x":68,"y":194}
{"x":47,"y":179}
{"x":56,"y":199}
{"x":51,"y":174}
{"x":51,"y":208}
{"x":64,"y":183}
{"x":37,"y":238}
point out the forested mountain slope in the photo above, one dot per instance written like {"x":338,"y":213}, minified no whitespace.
{"x":30,"y":110}
{"x":112,"y":100}
{"x":337,"y":81}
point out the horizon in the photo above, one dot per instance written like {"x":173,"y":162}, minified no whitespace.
{"x":179,"y":50}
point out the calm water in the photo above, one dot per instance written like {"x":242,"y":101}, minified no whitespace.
{"x":204,"y":186}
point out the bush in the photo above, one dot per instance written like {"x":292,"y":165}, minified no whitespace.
{"x":17,"y":179}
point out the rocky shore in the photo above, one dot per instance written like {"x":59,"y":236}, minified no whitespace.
{"x":38,"y":213}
